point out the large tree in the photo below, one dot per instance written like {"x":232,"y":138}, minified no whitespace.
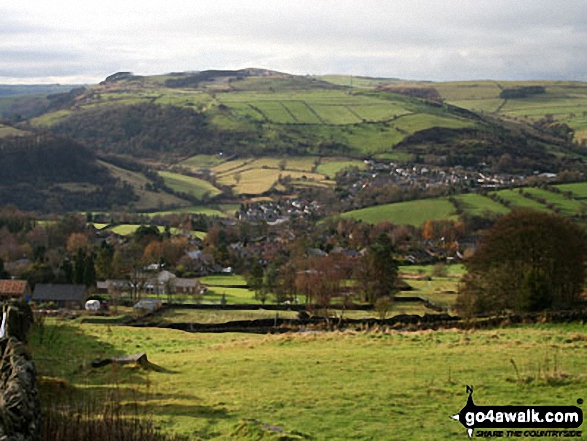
{"x":528,"y":261}
{"x":377,"y":272}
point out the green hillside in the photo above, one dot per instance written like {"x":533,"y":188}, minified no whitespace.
{"x":565,"y":199}
{"x":258,"y":113}
{"x":258,"y":132}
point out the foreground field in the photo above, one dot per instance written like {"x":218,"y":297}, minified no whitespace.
{"x":322,"y":386}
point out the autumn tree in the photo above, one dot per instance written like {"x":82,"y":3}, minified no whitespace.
{"x":528,"y":261}
{"x":377,"y":272}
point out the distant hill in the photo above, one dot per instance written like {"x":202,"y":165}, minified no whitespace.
{"x":138,"y":123}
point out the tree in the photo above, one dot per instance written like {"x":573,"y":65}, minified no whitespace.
{"x":377,"y":271}
{"x":3,"y":273}
{"x":528,"y":261}
{"x":255,"y":280}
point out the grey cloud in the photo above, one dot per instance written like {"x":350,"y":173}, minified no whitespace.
{"x":421,"y":39}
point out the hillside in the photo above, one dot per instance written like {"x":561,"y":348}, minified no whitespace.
{"x":45,"y":173}
{"x":187,"y":138}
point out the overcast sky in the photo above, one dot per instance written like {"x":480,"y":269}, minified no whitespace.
{"x":83,"y":42}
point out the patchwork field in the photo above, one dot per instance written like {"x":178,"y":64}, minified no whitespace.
{"x":258,"y":176}
{"x":320,"y":386}
{"x":564,"y":101}
{"x":417,"y":212}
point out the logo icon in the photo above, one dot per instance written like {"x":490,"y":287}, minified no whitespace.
{"x":517,"y":417}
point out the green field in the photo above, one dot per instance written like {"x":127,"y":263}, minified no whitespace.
{"x":128,"y":229}
{"x":148,"y":200}
{"x":520,"y":201}
{"x":479,"y":205}
{"x":566,"y":207}
{"x":190,"y":185}
{"x":564,"y":101}
{"x":418,"y":212}
{"x":320,"y":386}
{"x":405,"y":213}
{"x":11,"y":131}
{"x":195,"y":209}
{"x":578,"y":189}
{"x":332,"y":166}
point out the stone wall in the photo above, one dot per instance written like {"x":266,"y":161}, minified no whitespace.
{"x":20,"y":409}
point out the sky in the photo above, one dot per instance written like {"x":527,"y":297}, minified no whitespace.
{"x":61,"y":41}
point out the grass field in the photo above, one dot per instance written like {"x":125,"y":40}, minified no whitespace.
{"x":478,"y":205}
{"x":566,"y":207}
{"x":194,"y":209}
{"x":128,"y":229}
{"x":419,"y":211}
{"x":149,"y":200}
{"x":320,"y":386}
{"x":578,"y":189}
{"x":564,"y":101}
{"x":11,"y":131}
{"x":520,"y":201}
{"x":406,"y":213}
{"x":190,"y":185}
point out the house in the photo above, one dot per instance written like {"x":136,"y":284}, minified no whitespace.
{"x":63,"y":295}
{"x":15,"y":289}
{"x":162,"y":283}
{"x":113,"y":287}
{"x":188,"y":286}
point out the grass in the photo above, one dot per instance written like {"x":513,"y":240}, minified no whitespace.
{"x":194,"y":209}
{"x":566,"y":207}
{"x":224,"y":280}
{"x":203,"y":161}
{"x":128,"y":229}
{"x":405,"y":213}
{"x":149,"y":200}
{"x":323,"y":386}
{"x":520,"y":201}
{"x":188,"y":184}
{"x":578,"y":189}
{"x":11,"y":131}
{"x":332,"y":167}
{"x":564,"y":101}
{"x":479,"y":205}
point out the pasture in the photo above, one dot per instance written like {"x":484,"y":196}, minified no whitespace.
{"x":406,"y":213}
{"x":187,"y":184}
{"x":564,"y":101}
{"x":379,"y":385}
{"x":148,"y":200}
{"x":419,"y":211}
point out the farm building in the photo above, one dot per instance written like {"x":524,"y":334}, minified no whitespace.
{"x":62,"y":295}
{"x":112,"y":286}
{"x":14,"y":289}
{"x":188,"y":286}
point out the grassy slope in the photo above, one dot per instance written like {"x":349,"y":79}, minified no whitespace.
{"x":190,"y":185}
{"x":149,"y":200}
{"x":332,"y":386}
{"x":417,"y":212}
{"x":406,"y":213}
{"x":300,"y":108}
{"x":565,"y":101}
